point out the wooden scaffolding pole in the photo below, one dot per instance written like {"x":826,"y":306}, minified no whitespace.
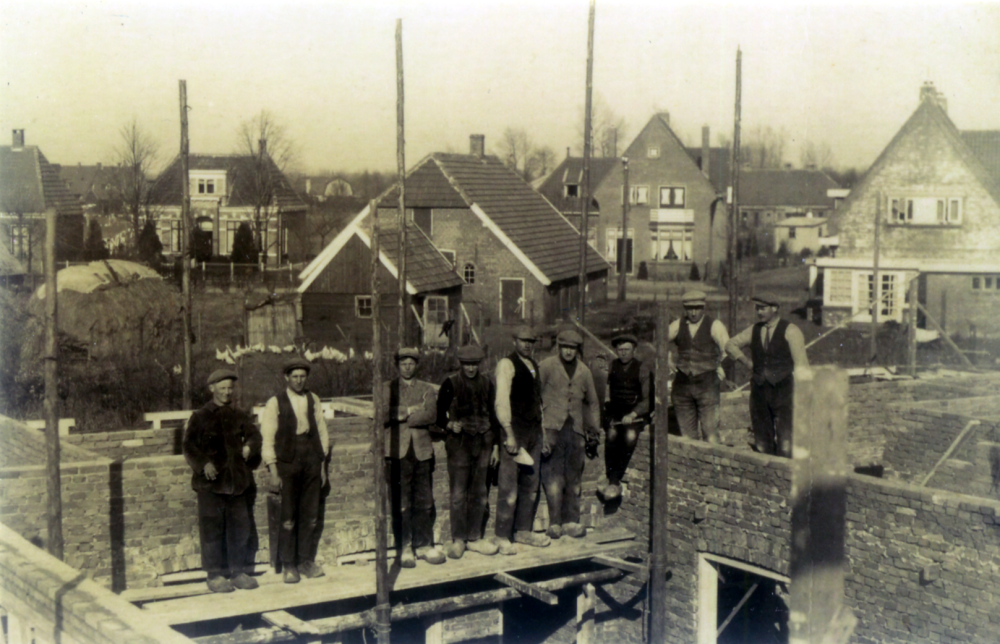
{"x":876,"y":286}
{"x":658,"y":554}
{"x":623,"y":253}
{"x":401,"y":171}
{"x":581,"y":305}
{"x":53,"y":476}
{"x":735,"y":187}
{"x":185,"y":247}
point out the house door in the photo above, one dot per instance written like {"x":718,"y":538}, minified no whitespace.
{"x":626,"y":255}
{"x":435,"y":315}
{"x":511,"y":301}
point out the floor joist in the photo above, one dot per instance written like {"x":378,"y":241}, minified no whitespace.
{"x":289,"y":622}
{"x":525,"y":588}
{"x":640,"y":571}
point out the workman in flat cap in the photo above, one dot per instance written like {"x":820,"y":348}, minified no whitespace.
{"x":777,"y":349}
{"x":570,"y":419}
{"x":465,"y":409}
{"x":697,"y":377}
{"x":626,"y":411}
{"x":222,"y":446}
{"x":410,"y":413}
{"x":519,"y":412}
{"x":295,"y":449}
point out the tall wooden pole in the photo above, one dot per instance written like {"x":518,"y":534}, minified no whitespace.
{"x":658,"y":548}
{"x":581,"y":307}
{"x":623,"y":255}
{"x":735,"y":186}
{"x":876,"y":297}
{"x":53,"y":476}
{"x":185,"y":246}
{"x":911,"y":338}
{"x":382,"y":607}
{"x":401,"y":170}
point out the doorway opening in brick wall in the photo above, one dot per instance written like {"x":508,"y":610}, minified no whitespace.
{"x":740,"y":603}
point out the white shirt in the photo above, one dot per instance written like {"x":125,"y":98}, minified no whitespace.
{"x":300,"y":405}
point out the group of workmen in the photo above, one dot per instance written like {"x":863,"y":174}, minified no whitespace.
{"x":532,"y":423}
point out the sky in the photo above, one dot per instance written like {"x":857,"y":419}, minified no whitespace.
{"x":74,"y":72}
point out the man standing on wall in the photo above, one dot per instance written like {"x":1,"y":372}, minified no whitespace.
{"x":777,"y":348}
{"x":701,"y":345}
{"x":221,"y":445}
{"x":409,"y":455}
{"x":625,"y":412}
{"x":295,"y":448}
{"x":519,"y":412}
{"x":465,"y":409}
{"x":570,"y":419}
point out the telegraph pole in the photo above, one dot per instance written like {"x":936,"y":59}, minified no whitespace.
{"x":735,"y":186}
{"x":52,"y":447}
{"x":876,"y":295}
{"x":382,"y":608}
{"x":401,"y":170}
{"x":660,"y":491}
{"x":185,"y":246}
{"x":623,"y":253}
{"x":585,"y":193}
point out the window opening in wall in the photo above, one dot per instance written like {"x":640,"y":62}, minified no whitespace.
{"x":926,"y":210}
{"x":571,"y":190}
{"x":986,"y":283}
{"x":740,"y":603}
{"x":791,"y":233}
{"x":653,"y":153}
{"x":469,"y":273}
{"x":638,"y":195}
{"x":671,"y":197}
{"x":363,"y":306}
{"x":206,"y":186}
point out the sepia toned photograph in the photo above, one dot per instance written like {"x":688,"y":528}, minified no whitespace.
{"x":499,"y":322}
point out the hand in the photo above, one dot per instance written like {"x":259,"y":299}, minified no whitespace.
{"x":275,"y":481}
{"x":510,"y":444}
{"x":455,"y":426}
{"x":402,"y":414}
{"x":322,"y":474}
{"x":495,"y":456}
{"x":210,"y":472}
{"x":591,"y":448}
{"x":748,"y":363}
{"x":628,"y":418}
{"x":246,"y":452}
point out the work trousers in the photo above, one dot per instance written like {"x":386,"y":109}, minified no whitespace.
{"x":301,"y":488}
{"x":771,"y":416}
{"x":696,"y":404}
{"x":619,"y":443}
{"x":412,"y":496}
{"x":225,"y":529}
{"x":468,"y":470}
{"x":562,"y":474}
{"x":517,"y":485}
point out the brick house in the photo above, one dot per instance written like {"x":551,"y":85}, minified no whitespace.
{"x":29,"y":185}
{"x":224,"y":189}
{"x":336,"y":296}
{"x":517,"y":255}
{"x":936,"y":191}
{"x":563,"y":188}
{"x":799,"y":233}
{"x":772,"y":195}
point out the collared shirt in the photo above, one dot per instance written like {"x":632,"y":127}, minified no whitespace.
{"x":300,"y":404}
{"x":793,"y":335}
{"x":218,"y":434}
{"x":504,"y":377}
{"x":719,"y":335}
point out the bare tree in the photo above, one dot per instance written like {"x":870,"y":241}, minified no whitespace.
{"x":816,"y":155}
{"x":610,"y":131}
{"x":519,"y":153}
{"x":763,"y":147}
{"x":135,"y":155}
{"x":17,"y":201}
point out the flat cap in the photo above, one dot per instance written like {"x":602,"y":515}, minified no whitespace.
{"x":693,"y":297}
{"x":524,"y":332}
{"x":408,"y":352}
{"x":221,"y":374}
{"x":296,"y":363}
{"x":623,"y":338}
{"x":470,"y":353}
{"x":569,"y":338}
{"x":766,"y":298}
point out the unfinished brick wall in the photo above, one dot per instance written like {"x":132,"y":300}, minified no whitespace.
{"x":130,"y":443}
{"x":21,"y":445}
{"x":471,"y":624}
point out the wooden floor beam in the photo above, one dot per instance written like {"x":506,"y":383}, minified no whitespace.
{"x":525,"y":588}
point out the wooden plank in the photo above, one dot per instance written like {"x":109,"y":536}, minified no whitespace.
{"x":639,"y":570}
{"x":525,"y":588}
{"x":290,"y":622}
{"x":585,"y":615}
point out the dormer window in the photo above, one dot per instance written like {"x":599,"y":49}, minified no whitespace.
{"x":925,"y":211}
{"x":571,"y":190}
{"x":206,"y":186}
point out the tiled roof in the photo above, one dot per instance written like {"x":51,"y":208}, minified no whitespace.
{"x":985,"y":144}
{"x":168,"y":187}
{"x":570,"y":171}
{"x":718,"y":166}
{"x":426,"y":268}
{"x":28,"y":181}
{"x":426,"y":187}
{"x":773,"y":188}
{"x":538,"y":230}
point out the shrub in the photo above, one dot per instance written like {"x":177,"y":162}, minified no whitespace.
{"x":149,"y":248}
{"x":244,"y":248}
{"x":643,"y":273}
{"x":695,"y":275}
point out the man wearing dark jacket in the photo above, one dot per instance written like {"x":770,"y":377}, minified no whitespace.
{"x":626,"y":411}
{"x":221,"y":444}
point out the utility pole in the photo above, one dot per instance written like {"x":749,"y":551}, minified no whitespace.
{"x":876,"y":295}
{"x":383,"y":610}
{"x":658,"y":554}
{"x":185,"y":246}
{"x":735,"y":187}
{"x":623,"y":253}
{"x":585,"y":193}
{"x":401,"y":170}
{"x":53,"y":476}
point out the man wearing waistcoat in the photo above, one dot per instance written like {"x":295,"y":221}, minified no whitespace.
{"x":777,"y":348}
{"x":221,"y":444}
{"x":519,"y":412}
{"x":295,"y":448}
{"x":701,"y":344}
{"x":571,"y":416}
{"x":626,"y":411}
{"x":465,"y":409}
{"x":409,"y":455}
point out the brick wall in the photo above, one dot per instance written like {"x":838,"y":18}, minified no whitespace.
{"x":471,"y":624}
{"x":20,"y":445}
{"x":130,"y":443}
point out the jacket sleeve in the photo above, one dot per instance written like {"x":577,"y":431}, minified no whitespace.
{"x":194,"y":452}
{"x":592,"y":423}
{"x":427,"y":414}
{"x":642,"y":407}
{"x":445,"y":395}
{"x":253,"y":440}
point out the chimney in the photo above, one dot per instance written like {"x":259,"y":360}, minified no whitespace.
{"x":705,"y":151}
{"x":930,"y":93}
{"x":567,"y":151}
{"x":477,"y":145}
{"x":309,"y":185}
{"x":18,"y":139}
{"x":263,"y":145}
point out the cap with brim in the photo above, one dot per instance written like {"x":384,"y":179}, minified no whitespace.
{"x":767,"y":299}
{"x":569,"y":338}
{"x":470,"y":353}
{"x":408,"y":352}
{"x":525,"y":332}
{"x":693,"y":298}
{"x":221,"y":374}
{"x":296,"y":363}
{"x":523,"y":457}
{"x":623,"y":338}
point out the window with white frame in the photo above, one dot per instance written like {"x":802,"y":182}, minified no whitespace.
{"x":206,"y":186}
{"x":169,"y":232}
{"x":891,"y":295}
{"x":638,"y":195}
{"x":614,"y":245}
{"x":925,"y":211}
{"x":363,"y":306}
{"x":653,"y":153}
{"x":469,"y":273}
{"x":227,"y":239}
{"x":837,"y":287}
{"x":986,"y":283}
{"x":671,"y":197}
{"x":671,"y":241}
{"x":571,"y":190}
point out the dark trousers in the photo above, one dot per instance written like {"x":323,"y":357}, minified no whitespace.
{"x":225,"y":528}
{"x":696,"y":401}
{"x":771,"y":416}
{"x":619,"y":443}
{"x":468,"y":469}
{"x":412,"y":498}
{"x":562,"y":475}
{"x":517,"y":485}
{"x":301,"y":484}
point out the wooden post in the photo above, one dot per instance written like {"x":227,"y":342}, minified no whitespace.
{"x":185,"y":244}
{"x":581,"y":305}
{"x":585,"y":615}
{"x":911,"y":337}
{"x":621,"y":260}
{"x":734,"y":168}
{"x":382,"y":607}
{"x":944,"y":336}
{"x":819,"y":505}
{"x":401,"y":171}
{"x":658,"y":556}
{"x":944,"y":311}
{"x":53,"y":476}
{"x":876,"y":297}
